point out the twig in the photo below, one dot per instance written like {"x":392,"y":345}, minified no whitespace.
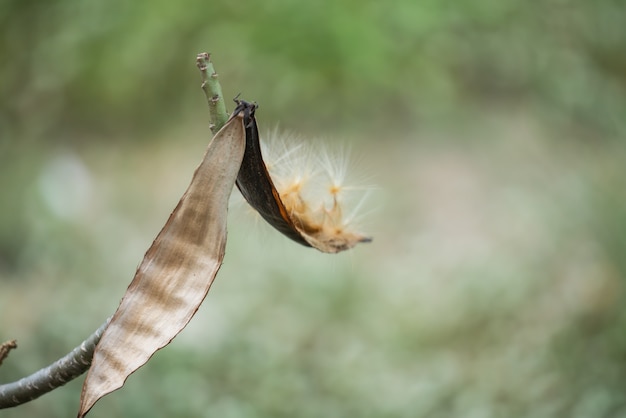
{"x":55,"y":375}
{"x":5,"y":348}
{"x":213,"y":91}
{"x":78,"y":360}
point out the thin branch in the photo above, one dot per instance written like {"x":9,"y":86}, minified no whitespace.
{"x":78,"y":360}
{"x":55,"y":375}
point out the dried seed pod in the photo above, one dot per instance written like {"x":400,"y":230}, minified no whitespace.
{"x":286,"y":210}
{"x":176,"y":272}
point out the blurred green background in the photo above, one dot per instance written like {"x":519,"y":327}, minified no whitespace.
{"x":495,"y":134}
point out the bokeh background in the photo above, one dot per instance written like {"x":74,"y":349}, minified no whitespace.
{"x":494,"y":133}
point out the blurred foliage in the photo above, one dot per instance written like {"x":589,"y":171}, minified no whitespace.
{"x":496,"y":132}
{"x":112,"y":64}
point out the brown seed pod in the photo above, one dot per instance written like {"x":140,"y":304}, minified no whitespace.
{"x":176,"y":272}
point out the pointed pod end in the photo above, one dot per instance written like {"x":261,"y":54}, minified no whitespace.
{"x":103,"y":377}
{"x":83,"y":410}
{"x":88,"y":399}
{"x":333,"y":243}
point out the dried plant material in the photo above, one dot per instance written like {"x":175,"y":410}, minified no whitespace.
{"x":322,"y":226}
{"x":5,"y":348}
{"x":176,"y":272}
{"x":313,"y":186}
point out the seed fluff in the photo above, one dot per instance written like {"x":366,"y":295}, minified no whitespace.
{"x":313,"y":186}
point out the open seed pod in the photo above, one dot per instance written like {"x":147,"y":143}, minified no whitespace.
{"x":179,"y":267}
{"x":321,"y":228}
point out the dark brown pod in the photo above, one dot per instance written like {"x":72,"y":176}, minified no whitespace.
{"x":254,"y":181}
{"x":256,"y":186}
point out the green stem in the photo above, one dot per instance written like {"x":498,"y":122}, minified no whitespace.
{"x":213,"y":92}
